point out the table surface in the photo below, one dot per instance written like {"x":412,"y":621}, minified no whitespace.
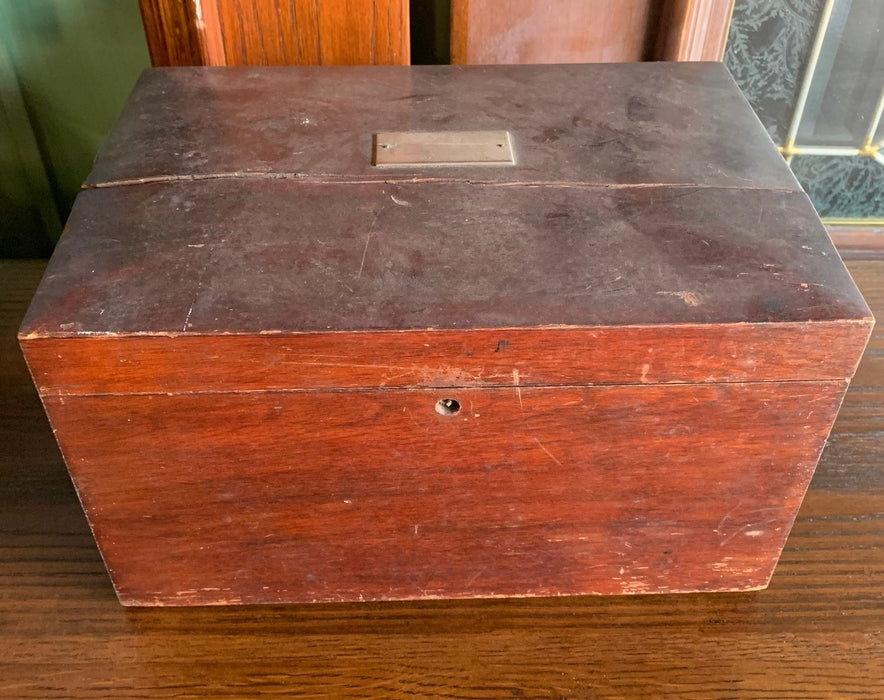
{"x":816,"y":632}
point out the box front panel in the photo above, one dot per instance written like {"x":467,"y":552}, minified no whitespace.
{"x":261,"y":497}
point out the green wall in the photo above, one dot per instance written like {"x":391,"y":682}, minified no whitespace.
{"x":66,"y":67}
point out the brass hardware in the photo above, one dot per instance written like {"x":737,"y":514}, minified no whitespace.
{"x":438,"y":148}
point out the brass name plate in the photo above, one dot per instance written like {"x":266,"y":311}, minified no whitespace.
{"x":434,"y":148}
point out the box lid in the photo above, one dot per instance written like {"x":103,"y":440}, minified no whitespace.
{"x":602,"y":124}
{"x":647,"y":231}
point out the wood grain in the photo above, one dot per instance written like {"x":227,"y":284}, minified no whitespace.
{"x":858,"y":242}
{"x":480,"y":358}
{"x":534,"y":31}
{"x":356,"y":32}
{"x":309,"y":462}
{"x":650,"y":124}
{"x":277,"y":32}
{"x":131,"y":283}
{"x":173,"y":38}
{"x":271,"y":256}
{"x":814,"y":634}
{"x":373,"y":495}
{"x":693,"y":30}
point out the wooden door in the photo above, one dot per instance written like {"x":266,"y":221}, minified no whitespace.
{"x":588,"y":31}
{"x":345,"y":32}
{"x":276,"y":32}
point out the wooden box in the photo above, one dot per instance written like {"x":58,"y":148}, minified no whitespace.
{"x":283,"y":366}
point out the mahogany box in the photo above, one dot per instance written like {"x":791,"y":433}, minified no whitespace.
{"x":337,"y":334}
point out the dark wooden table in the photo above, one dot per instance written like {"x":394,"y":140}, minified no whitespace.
{"x":817,"y":632}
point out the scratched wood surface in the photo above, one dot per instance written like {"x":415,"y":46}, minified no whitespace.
{"x":282,"y":234}
{"x":254,"y":256}
{"x":375,"y":495}
{"x":637,"y":355}
{"x":632,"y":123}
{"x":816,"y":633}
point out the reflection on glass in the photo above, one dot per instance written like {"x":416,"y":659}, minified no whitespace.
{"x":847,"y":80}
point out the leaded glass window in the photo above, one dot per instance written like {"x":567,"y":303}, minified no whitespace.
{"x":814,"y":72}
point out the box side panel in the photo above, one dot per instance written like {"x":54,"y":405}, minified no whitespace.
{"x":372,"y":495}
{"x":500,"y":357}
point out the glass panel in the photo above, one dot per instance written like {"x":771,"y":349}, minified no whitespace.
{"x":767,"y":48}
{"x":878,"y":137}
{"x":842,"y":187}
{"x":830,"y":51}
{"x":848,"y":77}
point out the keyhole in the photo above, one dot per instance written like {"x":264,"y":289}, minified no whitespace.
{"x":447,"y":407}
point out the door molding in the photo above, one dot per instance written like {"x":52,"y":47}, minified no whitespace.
{"x":273,"y":32}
